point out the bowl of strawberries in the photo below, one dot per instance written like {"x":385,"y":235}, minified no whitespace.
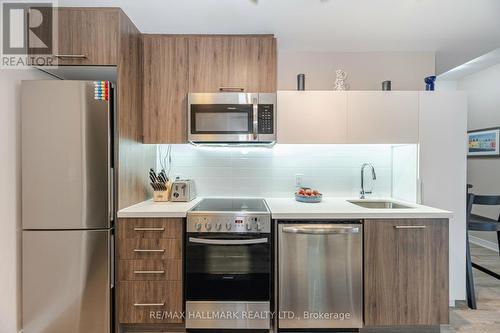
{"x":305,"y":194}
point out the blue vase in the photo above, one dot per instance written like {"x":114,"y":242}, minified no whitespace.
{"x":429,"y":82}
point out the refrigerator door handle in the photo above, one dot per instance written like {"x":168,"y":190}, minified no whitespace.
{"x":111,"y":195}
{"x":112,"y":261}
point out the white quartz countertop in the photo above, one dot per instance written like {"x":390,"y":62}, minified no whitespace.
{"x":341,"y":208}
{"x":288,"y":208}
{"x":149,"y":208}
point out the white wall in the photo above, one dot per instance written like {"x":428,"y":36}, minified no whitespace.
{"x":10,"y":174}
{"x":366,"y":70}
{"x":483,"y":90}
{"x":332,"y":169}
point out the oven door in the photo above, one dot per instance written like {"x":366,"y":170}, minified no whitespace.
{"x":223,"y":117}
{"x":228,"y":267}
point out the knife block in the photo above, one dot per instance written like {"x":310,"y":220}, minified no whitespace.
{"x":162,"y":196}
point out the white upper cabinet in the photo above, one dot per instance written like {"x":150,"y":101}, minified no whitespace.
{"x":348,"y":117}
{"x":312,"y":117}
{"x":382,"y":116}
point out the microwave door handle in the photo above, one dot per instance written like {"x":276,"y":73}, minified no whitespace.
{"x":255,"y":105}
{"x":228,"y":241}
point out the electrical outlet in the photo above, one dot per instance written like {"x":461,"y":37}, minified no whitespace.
{"x":298,"y":179}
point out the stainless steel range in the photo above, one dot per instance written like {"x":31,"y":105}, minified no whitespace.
{"x":229,"y":265}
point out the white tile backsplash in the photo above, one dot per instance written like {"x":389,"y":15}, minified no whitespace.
{"x":251,"y":171}
{"x":404,"y":172}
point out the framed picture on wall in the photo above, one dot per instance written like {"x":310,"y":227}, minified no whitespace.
{"x":484,"y":142}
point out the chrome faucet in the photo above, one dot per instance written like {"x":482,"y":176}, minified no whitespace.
{"x":374,"y":177}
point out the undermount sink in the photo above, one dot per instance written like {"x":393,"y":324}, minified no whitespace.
{"x":378,"y":204}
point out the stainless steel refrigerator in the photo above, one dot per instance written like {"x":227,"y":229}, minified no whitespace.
{"x":67,"y":207}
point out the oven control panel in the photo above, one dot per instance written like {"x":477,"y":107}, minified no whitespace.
{"x":229,"y":223}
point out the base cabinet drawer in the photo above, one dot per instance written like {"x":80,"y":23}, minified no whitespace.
{"x":150,"y":302}
{"x":150,"y":249}
{"x":150,"y":270}
{"x":150,"y":228}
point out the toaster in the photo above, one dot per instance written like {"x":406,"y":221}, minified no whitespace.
{"x":183,"y":190}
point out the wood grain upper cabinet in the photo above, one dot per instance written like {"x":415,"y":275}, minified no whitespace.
{"x":382,"y":117}
{"x":406,"y":272}
{"x":312,"y":117}
{"x":246,"y":62}
{"x":87,"y":36}
{"x":165,"y":88}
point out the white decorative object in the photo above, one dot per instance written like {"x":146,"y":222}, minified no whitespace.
{"x":340,"y":80}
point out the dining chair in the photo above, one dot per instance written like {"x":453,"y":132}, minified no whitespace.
{"x":479,"y":223}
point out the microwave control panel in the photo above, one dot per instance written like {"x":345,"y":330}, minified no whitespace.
{"x":266,"y":119}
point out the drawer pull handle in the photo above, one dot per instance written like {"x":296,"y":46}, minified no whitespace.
{"x":70,"y":56}
{"x":410,"y":226}
{"x":149,"y":304}
{"x":149,"y":272}
{"x":231,"y":89}
{"x":145,"y":250}
{"x":149,"y":229}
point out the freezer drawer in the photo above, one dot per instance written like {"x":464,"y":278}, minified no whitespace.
{"x":320,"y":276}
{"x":66,"y":281}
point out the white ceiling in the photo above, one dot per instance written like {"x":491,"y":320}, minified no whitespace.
{"x":327,"y":25}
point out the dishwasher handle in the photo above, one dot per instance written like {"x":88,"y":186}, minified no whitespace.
{"x":321,"y":230}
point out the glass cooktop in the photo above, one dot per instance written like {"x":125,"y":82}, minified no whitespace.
{"x":231,"y":205}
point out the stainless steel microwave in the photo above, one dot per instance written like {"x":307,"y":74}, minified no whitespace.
{"x":225,"y":118}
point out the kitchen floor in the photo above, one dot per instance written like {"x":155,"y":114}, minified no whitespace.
{"x":486,"y":319}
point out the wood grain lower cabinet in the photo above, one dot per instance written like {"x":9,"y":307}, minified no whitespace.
{"x":146,"y":302}
{"x":149,"y":248}
{"x":149,"y":271}
{"x":150,"y":228}
{"x":406,"y":272}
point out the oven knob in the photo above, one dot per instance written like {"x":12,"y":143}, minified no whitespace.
{"x":228,"y":226}
{"x":258,"y":226}
{"x":218,"y":226}
{"x":208,"y":226}
{"x":249,"y":226}
{"x":197,"y":226}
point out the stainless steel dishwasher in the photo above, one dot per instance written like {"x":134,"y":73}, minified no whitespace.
{"x":320,"y":275}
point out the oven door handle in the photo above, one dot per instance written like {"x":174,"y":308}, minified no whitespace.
{"x":228,"y":241}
